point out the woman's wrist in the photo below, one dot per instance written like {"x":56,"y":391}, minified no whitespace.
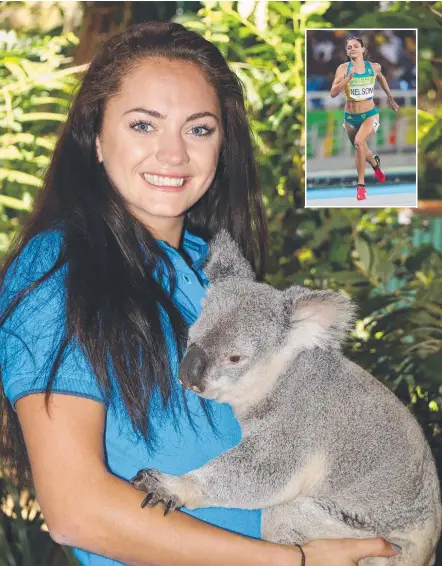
{"x":284,"y":555}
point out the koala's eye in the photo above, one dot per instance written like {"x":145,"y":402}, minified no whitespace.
{"x":234,"y":359}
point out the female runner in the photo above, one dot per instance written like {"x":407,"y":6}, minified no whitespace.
{"x":96,"y":297}
{"x":361,"y":118}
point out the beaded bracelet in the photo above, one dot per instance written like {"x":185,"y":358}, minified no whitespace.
{"x":303,"y":555}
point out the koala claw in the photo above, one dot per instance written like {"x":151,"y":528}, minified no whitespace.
{"x":147,"y":499}
{"x":150,"y":482}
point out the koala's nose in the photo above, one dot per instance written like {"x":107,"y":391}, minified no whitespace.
{"x":193,"y":367}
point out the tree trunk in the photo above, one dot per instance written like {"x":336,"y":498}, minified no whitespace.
{"x":101,"y":20}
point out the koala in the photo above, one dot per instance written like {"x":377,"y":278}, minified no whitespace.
{"x":327,"y":451}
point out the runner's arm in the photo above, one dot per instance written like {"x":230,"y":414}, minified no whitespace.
{"x":384,"y":86}
{"x":340,"y":81}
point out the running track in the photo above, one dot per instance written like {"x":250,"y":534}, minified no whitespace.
{"x":403,"y":195}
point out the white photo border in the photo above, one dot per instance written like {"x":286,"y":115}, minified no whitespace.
{"x":416,"y":30}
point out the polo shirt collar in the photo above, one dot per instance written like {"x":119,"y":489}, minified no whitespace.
{"x":195,"y":247}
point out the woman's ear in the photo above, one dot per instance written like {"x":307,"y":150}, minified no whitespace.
{"x":98,"y":148}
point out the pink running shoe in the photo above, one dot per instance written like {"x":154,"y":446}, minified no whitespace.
{"x":361,"y":192}
{"x":378,"y":174}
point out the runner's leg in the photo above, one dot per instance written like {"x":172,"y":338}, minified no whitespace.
{"x":378,"y":174}
{"x":369,"y":156}
{"x":351,"y":132}
{"x":365,"y":132}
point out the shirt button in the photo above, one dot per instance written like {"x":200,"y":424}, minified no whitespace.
{"x":186,"y":278}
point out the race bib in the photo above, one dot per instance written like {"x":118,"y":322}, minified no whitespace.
{"x":376,"y":125}
{"x":361,"y":92}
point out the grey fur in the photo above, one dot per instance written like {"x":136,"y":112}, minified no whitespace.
{"x":327,"y":451}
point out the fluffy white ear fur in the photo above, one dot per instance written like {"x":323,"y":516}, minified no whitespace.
{"x":318,"y":318}
{"x":226,"y":260}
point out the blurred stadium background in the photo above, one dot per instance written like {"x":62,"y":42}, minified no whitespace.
{"x":331,"y":170}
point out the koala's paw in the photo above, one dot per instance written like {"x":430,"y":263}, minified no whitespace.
{"x":151,"y":482}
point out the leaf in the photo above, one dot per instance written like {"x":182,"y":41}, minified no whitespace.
{"x":283,"y":8}
{"x":417,"y":258}
{"x":252,"y":92}
{"x":433,"y":144}
{"x":312,"y":7}
{"x":20,"y":177}
{"x":9,"y":153}
{"x":381,"y":302}
{"x":245,"y":8}
{"x":42,"y":100}
{"x":46,"y":142}
{"x":43,"y":116}
{"x":5,"y":550}
{"x":14,"y":203}
{"x":364,"y":252}
{"x":347,"y":277}
{"x":425,"y":122}
{"x":15,"y":69}
{"x":338,"y":251}
{"x":384,"y":269}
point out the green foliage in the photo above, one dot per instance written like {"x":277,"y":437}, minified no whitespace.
{"x":36,"y":82}
{"x":430,"y":160}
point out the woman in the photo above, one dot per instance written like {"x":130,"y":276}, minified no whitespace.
{"x":155,"y":157}
{"x":361,"y":118}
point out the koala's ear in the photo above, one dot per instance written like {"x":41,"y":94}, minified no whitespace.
{"x":318,"y":318}
{"x":226,"y":260}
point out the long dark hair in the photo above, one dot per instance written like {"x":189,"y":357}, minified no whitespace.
{"x":113,"y":299}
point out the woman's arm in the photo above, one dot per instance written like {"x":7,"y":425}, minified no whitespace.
{"x":384,"y":85}
{"x":341,"y":80}
{"x":86,"y":506}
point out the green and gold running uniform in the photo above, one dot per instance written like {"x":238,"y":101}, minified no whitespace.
{"x":360,"y":87}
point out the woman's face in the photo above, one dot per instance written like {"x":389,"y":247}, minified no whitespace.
{"x":160,"y":141}
{"x":354,"y":49}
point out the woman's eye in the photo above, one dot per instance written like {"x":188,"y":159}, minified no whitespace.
{"x":141,"y":126}
{"x":202,"y":131}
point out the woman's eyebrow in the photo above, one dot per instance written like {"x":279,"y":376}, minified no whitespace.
{"x":156,"y":114}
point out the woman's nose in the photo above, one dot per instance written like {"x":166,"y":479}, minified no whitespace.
{"x":171,"y":150}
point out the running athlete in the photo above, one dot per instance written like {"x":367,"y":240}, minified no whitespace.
{"x":356,"y":78}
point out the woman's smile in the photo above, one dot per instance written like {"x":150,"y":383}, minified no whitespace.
{"x":166,"y":183}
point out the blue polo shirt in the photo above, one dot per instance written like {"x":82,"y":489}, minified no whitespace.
{"x":28,"y":341}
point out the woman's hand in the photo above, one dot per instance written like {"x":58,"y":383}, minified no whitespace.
{"x":341,"y":79}
{"x":393,"y":103}
{"x":345,"y":552}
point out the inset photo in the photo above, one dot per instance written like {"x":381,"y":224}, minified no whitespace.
{"x":361,"y":118}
